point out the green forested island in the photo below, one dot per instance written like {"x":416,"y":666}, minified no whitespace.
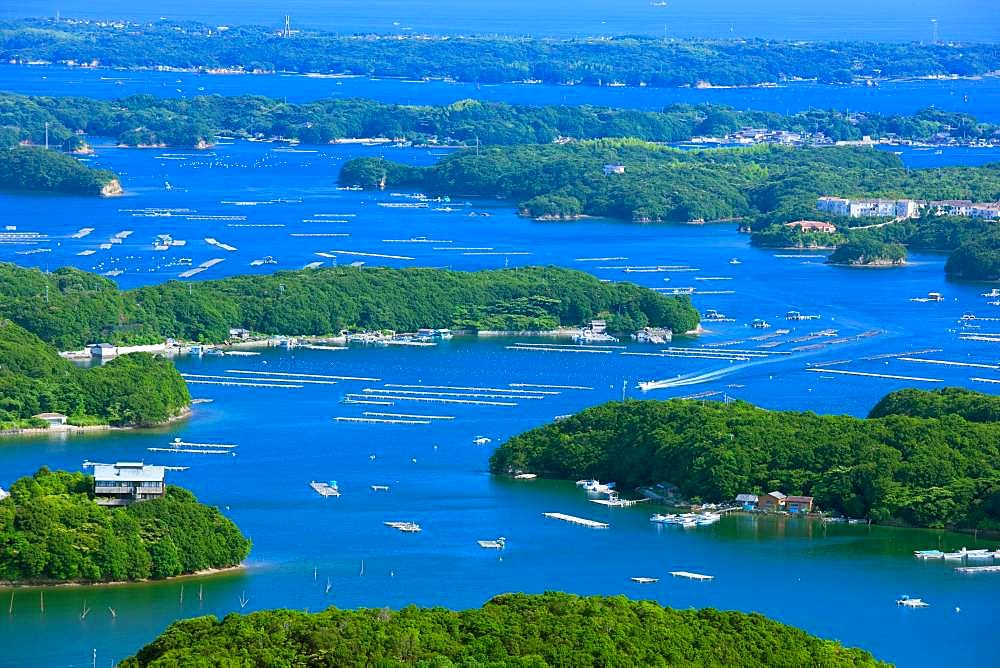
{"x":52,"y":531}
{"x":868,"y":253}
{"x":83,"y":308}
{"x":145,"y":120}
{"x":937,"y":471}
{"x":627,"y":60}
{"x":27,"y":168}
{"x":132,"y":390}
{"x":552,"y":629}
{"x":763,"y":184}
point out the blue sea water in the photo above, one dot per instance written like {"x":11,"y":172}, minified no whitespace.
{"x":840,"y":582}
{"x":980,"y":97}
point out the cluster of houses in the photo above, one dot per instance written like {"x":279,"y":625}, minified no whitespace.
{"x":906,"y":208}
{"x":776,"y":502}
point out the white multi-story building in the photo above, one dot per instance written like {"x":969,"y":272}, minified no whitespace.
{"x":989,"y":211}
{"x":122,"y":483}
{"x":838,"y":206}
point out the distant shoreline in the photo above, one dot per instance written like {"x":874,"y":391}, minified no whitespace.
{"x":78,"y":429}
{"x":10,"y":586}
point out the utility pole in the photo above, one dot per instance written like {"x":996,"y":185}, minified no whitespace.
{"x":46,"y":135}
{"x":287,"y":31}
{"x":934,"y":31}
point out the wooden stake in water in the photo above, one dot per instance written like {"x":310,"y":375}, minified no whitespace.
{"x":41,"y":601}
{"x":329,"y":585}
{"x":84,"y":612}
{"x":114,"y":613}
{"x":182,"y":594}
{"x":201,"y":593}
{"x":10,"y":608}
{"x":243,"y":600}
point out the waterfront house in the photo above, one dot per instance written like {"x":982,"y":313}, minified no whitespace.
{"x":747,"y":501}
{"x":239,"y":334}
{"x":798,"y":504}
{"x":813,"y":226}
{"x":771,"y":501}
{"x":613,"y":169}
{"x":53,"y":419}
{"x":989,"y":211}
{"x":125,"y":482}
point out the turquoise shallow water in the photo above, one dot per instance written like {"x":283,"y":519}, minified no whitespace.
{"x":840,"y":582}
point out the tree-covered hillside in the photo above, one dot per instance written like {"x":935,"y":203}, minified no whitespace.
{"x":83,"y":308}
{"x":763,"y":184}
{"x":52,"y":530}
{"x":596,"y":61}
{"x":551,"y":629}
{"x":136,"y":389}
{"x":149,"y":120}
{"x":938,"y":471}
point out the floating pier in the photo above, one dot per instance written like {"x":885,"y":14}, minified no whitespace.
{"x":691,"y":576}
{"x":302,"y":375}
{"x":977,"y":569}
{"x":193,"y":451}
{"x":878,"y":375}
{"x":372,"y":420}
{"x":555,"y":387}
{"x":186,"y":444}
{"x":408,"y":415}
{"x":641,"y":580}
{"x":436,"y":400}
{"x":234,"y":383}
{"x":948,"y":363}
{"x":582,"y":521}
{"x":460,"y":387}
{"x":324,"y":489}
{"x":471,"y":395}
{"x":558,"y":350}
{"x":254,"y":380}
{"x":360,"y":254}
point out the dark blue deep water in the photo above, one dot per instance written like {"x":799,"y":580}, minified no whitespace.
{"x":840,"y":582}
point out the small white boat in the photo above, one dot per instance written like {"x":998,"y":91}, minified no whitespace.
{"x":928,"y":554}
{"x":525,"y":476}
{"x":482,"y":440}
{"x":497,"y":544}
{"x":735,"y":260}
{"x":908,"y":602}
{"x":380,"y":488}
{"x":405,"y":527}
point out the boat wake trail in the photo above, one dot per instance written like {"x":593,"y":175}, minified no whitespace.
{"x":706,"y":377}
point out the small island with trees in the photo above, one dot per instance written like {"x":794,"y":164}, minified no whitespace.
{"x":929,"y":459}
{"x":551,"y":629}
{"x":54,"y":530}
{"x":35,"y":169}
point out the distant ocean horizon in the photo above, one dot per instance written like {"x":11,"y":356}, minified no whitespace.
{"x":889,"y":20}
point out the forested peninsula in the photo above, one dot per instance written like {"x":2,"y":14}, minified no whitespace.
{"x":83,"y":308}
{"x":132,"y":390}
{"x":628,"y":60}
{"x":552,"y":629}
{"x":52,"y":531}
{"x":761,"y":185}
{"x":35,"y":169}
{"x":145,"y":120}
{"x":928,"y":459}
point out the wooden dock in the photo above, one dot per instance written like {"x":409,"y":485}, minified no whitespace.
{"x":372,"y":420}
{"x":876,"y":375}
{"x":582,"y":521}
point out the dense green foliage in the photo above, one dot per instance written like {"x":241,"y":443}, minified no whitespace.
{"x":976,"y":260}
{"x":766,"y":184}
{"x":551,"y":629}
{"x":150,"y":120}
{"x":52,"y":530}
{"x":973,"y":406}
{"x":630,"y":60}
{"x":941,"y":471}
{"x":868,"y":253}
{"x":35,"y":169}
{"x":83,"y":308}
{"x":135,"y":389}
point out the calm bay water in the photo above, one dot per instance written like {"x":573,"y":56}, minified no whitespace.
{"x":976,"y":96}
{"x":840,"y":582}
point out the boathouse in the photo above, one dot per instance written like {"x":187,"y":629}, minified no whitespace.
{"x":771,"y":501}
{"x":125,"y":482}
{"x":747,"y":501}
{"x":798,"y":504}
{"x":53,"y":419}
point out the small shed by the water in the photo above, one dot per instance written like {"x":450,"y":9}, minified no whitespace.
{"x":748,"y":501}
{"x":798,"y":504}
{"x":53,"y":419}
